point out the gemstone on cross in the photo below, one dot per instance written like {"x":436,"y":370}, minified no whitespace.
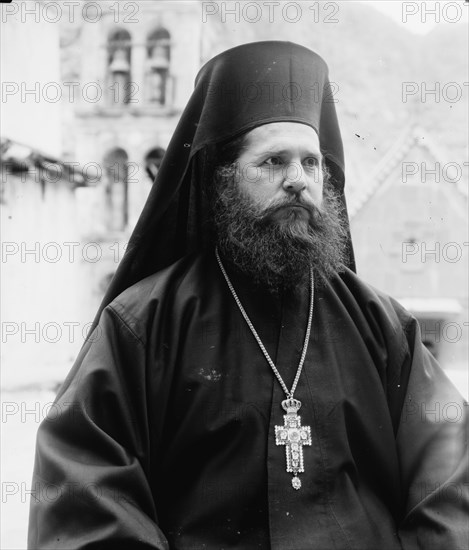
{"x":293,"y":435}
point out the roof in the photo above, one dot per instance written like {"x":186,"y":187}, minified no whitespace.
{"x":412,"y":136}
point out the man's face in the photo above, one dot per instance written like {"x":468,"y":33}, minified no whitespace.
{"x":271,"y":216}
{"x":279,"y":161}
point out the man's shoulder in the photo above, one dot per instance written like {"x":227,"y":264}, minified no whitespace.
{"x":379,"y":318}
{"x":370,"y":299}
{"x":138,"y":303}
{"x":161,"y":281}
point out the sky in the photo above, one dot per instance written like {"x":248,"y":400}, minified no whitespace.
{"x":421,"y":17}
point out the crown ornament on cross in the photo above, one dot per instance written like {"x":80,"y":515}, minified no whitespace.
{"x":291,"y":406}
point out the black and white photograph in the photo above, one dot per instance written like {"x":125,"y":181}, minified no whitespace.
{"x":234,"y":275}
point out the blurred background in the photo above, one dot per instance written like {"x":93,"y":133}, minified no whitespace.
{"x":91,"y":94}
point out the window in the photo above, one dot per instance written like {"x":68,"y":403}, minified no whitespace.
{"x":157,"y":66}
{"x":116,"y":188}
{"x":119,"y":66}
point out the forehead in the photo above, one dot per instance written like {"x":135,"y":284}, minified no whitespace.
{"x":282,"y":135}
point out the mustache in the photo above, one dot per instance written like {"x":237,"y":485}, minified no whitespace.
{"x":294,"y":207}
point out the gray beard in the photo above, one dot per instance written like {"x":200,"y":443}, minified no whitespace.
{"x":277,"y":246}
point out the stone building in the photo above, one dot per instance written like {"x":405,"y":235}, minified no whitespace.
{"x":135,"y":72}
{"x":409,"y":230}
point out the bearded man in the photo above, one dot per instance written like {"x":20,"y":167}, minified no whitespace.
{"x":243,"y":388}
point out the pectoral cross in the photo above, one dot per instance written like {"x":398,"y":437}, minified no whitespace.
{"x":293,"y":435}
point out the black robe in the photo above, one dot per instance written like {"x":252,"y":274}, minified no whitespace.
{"x":163,"y":433}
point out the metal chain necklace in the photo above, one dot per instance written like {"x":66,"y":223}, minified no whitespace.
{"x":292,"y":434}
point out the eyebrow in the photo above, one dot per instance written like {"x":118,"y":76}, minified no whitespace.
{"x":281,"y":151}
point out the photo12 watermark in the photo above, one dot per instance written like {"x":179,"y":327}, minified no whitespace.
{"x":287,"y":12}
{"x":436,"y":412}
{"x":86,"y":492}
{"x":433,"y":172}
{"x":435,"y":251}
{"x":433,"y":12}
{"x":53,"y":252}
{"x":450,"y":492}
{"x":46,"y":172}
{"x":69,"y":12}
{"x":435,"y":92}
{"x":273,"y":92}
{"x":49,"y":332}
{"x":115,"y":93}
{"x":35,"y":412}
{"x":450,"y":332}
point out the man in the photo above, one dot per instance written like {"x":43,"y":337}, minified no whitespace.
{"x":243,"y":388}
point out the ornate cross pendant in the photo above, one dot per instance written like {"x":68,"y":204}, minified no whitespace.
{"x":293,"y":435}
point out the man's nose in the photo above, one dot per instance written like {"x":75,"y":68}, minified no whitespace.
{"x":294,"y":178}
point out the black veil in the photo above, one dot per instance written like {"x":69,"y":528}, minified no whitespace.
{"x":236,"y":91}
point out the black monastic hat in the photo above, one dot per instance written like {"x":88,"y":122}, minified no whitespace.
{"x":236,"y":91}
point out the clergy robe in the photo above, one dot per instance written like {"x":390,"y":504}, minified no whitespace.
{"x":163,"y":435}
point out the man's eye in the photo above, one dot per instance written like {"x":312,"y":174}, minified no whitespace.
{"x":273,"y":161}
{"x":311,"y":162}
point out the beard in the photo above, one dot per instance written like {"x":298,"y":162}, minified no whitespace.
{"x":277,"y":246}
